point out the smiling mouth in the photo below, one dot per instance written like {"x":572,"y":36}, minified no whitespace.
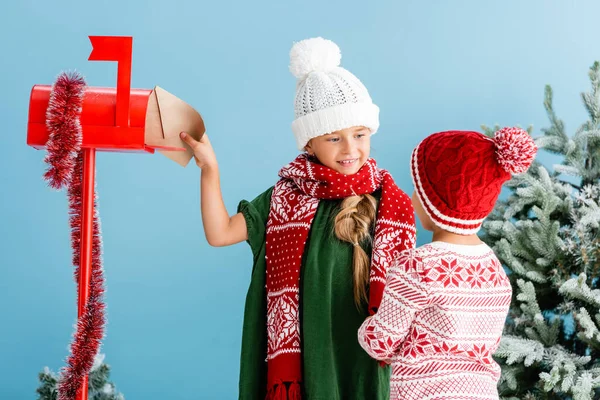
{"x":348,"y":163}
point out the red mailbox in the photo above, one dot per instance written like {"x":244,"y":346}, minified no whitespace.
{"x":122,"y":119}
{"x":114,"y":119}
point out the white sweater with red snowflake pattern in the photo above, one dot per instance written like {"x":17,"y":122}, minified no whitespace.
{"x":439,"y":322}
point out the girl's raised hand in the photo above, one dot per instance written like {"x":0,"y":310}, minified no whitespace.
{"x":203,"y":152}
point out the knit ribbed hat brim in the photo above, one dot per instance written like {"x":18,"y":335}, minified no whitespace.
{"x":333,"y":119}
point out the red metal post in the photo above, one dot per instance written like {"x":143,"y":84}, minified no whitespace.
{"x":87,"y":226}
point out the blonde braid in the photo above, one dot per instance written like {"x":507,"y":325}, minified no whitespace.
{"x":353,"y":225}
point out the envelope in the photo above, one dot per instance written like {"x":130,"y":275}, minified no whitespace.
{"x":166,"y":117}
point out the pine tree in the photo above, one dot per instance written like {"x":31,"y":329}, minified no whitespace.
{"x":547,"y":235}
{"x":99,"y":388}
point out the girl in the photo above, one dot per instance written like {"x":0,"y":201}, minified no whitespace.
{"x":445,"y":303}
{"x":313,"y":281}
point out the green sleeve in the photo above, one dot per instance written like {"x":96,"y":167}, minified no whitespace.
{"x":256,"y":213}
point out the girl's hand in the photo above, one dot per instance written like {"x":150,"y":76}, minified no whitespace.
{"x":203,"y":152}
{"x":219,"y":228}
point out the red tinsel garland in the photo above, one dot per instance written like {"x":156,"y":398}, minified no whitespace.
{"x":65,"y":160}
{"x":62,"y":121}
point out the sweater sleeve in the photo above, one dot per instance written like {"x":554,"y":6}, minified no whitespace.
{"x":405,"y":294}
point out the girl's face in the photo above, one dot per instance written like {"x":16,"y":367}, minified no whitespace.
{"x":344,"y":151}
{"x":426,"y":222}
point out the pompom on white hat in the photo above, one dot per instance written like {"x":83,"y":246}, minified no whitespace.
{"x":328,"y":97}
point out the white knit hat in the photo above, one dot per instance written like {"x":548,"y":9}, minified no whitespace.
{"x":328,"y":97}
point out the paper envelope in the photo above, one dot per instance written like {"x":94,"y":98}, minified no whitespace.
{"x":166,"y":117}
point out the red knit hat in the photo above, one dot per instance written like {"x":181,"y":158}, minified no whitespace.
{"x":458,"y":175}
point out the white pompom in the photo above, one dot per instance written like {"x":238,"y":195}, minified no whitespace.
{"x":316,"y":54}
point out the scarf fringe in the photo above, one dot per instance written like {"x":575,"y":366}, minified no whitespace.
{"x":295,"y":391}
{"x":281,"y":391}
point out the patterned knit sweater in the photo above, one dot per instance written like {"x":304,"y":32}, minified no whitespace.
{"x":440,"y":321}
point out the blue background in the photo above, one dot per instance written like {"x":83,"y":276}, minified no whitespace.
{"x":174,"y":303}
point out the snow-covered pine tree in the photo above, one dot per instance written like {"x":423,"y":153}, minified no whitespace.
{"x":99,"y":387}
{"x":547,"y":235}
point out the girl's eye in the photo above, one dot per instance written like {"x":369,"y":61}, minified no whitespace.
{"x":360,"y":135}
{"x":333,"y":140}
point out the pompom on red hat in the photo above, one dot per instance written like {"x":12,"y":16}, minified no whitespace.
{"x":458,"y":175}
